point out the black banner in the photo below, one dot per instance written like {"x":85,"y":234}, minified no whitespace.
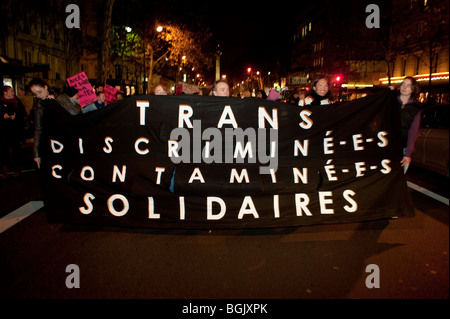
{"x":214,"y":162}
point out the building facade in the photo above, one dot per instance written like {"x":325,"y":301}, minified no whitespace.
{"x":37,"y":43}
{"x":332,"y":38}
{"x":419,"y":47}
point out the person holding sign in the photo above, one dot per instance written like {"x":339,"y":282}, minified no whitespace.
{"x":320,"y":93}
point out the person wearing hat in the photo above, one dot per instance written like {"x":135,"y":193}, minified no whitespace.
{"x":69,"y":100}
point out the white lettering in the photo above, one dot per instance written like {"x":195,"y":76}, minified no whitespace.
{"x":142,"y":105}
{"x":136,"y":145}
{"x":88,"y":197}
{"x":227,"y":117}
{"x":125,"y":204}
{"x":184,"y":113}
{"x":248,"y":208}
{"x":209,"y":210}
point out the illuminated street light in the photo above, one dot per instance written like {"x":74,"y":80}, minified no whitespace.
{"x":159,"y":28}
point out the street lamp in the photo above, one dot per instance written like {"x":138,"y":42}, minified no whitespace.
{"x":159,"y":28}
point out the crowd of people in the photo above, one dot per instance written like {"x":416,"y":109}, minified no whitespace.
{"x":20,"y":119}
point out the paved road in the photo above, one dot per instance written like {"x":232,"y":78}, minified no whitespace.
{"x":322,"y":261}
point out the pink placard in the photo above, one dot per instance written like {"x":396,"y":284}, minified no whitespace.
{"x":110,"y":94}
{"x":86,"y":93}
{"x":273,"y":95}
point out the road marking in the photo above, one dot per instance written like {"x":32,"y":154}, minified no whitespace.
{"x":19,"y":214}
{"x":425,"y":191}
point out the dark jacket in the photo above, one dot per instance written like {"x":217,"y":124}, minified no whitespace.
{"x":9,"y":126}
{"x":410,"y":114}
{"x":45,"y":111}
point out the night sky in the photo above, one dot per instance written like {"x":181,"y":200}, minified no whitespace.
{"x":250,"y":33}
{"x":254,"y":34}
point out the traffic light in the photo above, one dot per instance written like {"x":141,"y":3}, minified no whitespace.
{"x":338,"y":78}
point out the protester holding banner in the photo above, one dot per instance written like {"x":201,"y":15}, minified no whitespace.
{"x":408,"y":92}
{"x":43,"y":107}
{"x":221,"y":88}
{"x":161,"y":89}
{"x":320,"y":93}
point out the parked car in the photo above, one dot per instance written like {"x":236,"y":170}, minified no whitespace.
{"x":432,"y":148}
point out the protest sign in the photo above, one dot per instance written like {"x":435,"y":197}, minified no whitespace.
{"x":86,"y":93}
{"x":223,"y":162}
{"x":110,"y":94}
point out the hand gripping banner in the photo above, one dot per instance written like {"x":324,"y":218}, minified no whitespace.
{"x":215,"y":162}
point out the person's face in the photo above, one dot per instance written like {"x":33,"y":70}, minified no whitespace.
{"x":20,"y":92}
{"x":406,"y":87}
{"x":9,"y":93}
{"x":40,"y":92}
{"x":222,"y":89}
{"x":160,"y":91}
{"x":101,"y":97}
{"x":321,"y":87}
{"x":119,"y":97}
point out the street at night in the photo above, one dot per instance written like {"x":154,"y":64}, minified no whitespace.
{"x":224,"y":159}
{"x":312,"y":262}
